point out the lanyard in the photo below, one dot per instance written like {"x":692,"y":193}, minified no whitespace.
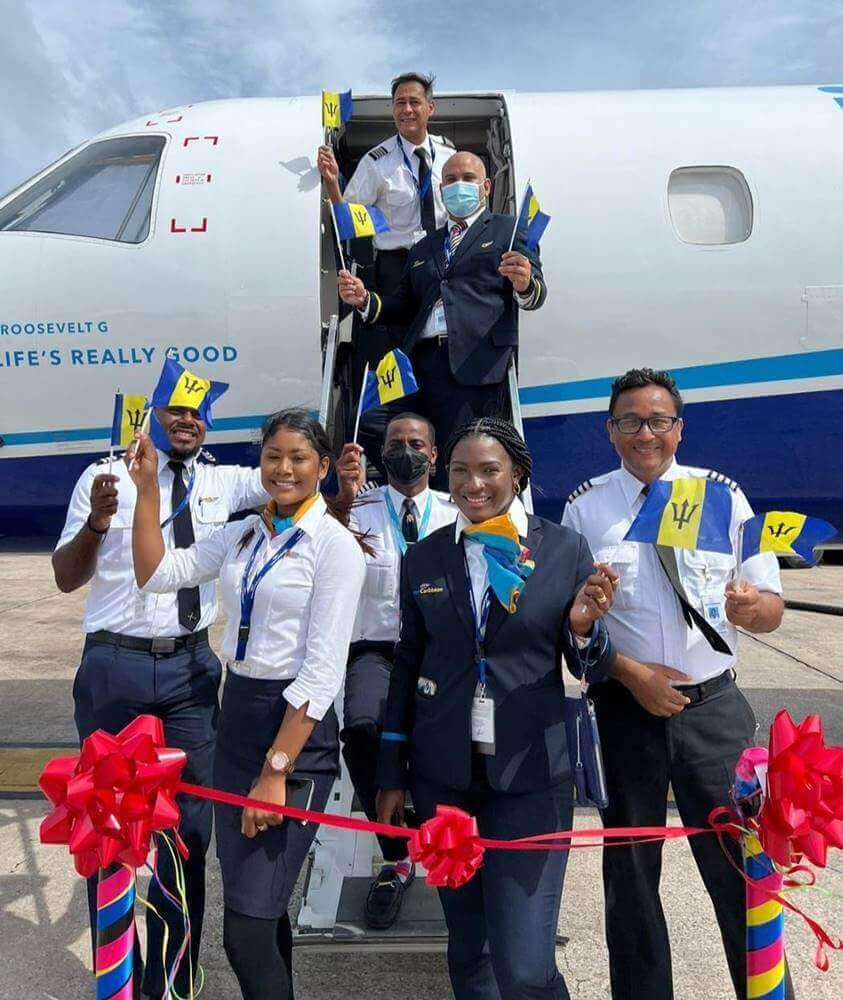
{"x":191,"y":479}
{"x":480,"y":623}
{"x":424,"y":188}
{"x":248,"y":590}
{"x":400,"y":540}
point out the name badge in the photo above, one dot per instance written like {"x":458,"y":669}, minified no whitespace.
{"x":439,"y":324}
{"x":714,"y":609}
{"x":483,"y":723}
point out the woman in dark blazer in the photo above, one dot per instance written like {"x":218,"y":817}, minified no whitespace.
{"x":489,"y":609}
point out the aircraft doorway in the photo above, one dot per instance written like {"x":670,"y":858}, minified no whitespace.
{"x":477,"y":123}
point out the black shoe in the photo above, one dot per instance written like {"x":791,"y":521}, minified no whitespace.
{"x":383,"y":904}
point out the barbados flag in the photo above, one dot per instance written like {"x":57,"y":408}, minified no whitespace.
{"x":784,"y":531}
{"x":532,"y":220}
{"x":508,"y":561}
{"x":336,"y":108}
{"x":129,"y":413}
{"x":358,"y":220}
{"x":685,"y":514}
{"x":392,"y":379}
{"x":179,"y":387}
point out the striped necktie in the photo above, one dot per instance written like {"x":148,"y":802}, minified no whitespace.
{"x":458,"y":230}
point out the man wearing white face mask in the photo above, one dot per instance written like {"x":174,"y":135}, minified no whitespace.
{"x":459,"y":295}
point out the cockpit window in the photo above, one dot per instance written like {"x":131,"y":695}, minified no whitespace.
{"x":104,"y":192}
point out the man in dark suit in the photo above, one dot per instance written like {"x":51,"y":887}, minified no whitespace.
{"x":458,"y":301}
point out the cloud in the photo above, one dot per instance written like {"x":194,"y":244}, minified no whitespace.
{"x":68,"y":71}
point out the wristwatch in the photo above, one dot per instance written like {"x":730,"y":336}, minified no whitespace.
{"x":279,"y":761}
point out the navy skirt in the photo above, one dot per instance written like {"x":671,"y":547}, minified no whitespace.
{"x":259,"y":875}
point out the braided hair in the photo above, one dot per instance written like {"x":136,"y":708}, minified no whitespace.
{"x":507,"y":437}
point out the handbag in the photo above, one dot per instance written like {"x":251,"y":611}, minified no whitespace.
{"x":584,"y":752}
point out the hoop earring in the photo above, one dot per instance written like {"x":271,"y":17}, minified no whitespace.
{"x":516,"y":488}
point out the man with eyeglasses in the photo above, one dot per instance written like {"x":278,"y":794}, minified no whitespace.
{"x":673,"y":716}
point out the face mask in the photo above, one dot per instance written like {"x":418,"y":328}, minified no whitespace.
{"x":404,"y":464}
{"x":461,"y":198}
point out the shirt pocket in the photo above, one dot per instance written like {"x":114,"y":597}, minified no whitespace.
{"x":400,"y":197}
{"x":381,"y":578}
{"x":622,"y":557}
{"x":211,"y":510}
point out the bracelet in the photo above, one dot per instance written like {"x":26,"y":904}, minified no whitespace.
{"x":90,"y":527}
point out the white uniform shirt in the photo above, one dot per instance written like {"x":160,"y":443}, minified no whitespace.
{"x":114,"y":601}
{"x":645,"y":621}
{"x":478,"y":568}
{"x":379,"y":618}
{"x":304,"y":607}
{"x":383,"y":179}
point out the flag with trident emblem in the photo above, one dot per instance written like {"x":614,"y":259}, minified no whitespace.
{"x":179,"y":387}
{"x":392,"y":379}
{"x":358,"y":220}
{"x":689,"y":513}
{"x":784,"y":531}
{"x":337,"y":108}
{"x":129,"y":413}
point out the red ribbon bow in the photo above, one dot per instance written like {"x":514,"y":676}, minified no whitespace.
{"x":111,"y":797}
{"x":448,"y":845}
{"x":803,"y":808}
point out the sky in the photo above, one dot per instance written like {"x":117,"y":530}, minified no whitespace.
{"x":70,"y":70}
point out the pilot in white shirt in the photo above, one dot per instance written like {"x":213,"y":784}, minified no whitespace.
{"x":389,"y":519}
{"x":149,"y":653}
{"x":671,"y":715}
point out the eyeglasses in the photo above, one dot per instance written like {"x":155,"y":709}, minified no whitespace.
{"x":656,"y":425}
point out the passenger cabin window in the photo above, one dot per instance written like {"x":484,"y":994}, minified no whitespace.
{"x":710,"y":206}
{"x":104,"y":192}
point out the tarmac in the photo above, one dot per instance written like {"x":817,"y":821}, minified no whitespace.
{"x":44,"y":943}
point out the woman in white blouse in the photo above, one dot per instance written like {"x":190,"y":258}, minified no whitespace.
{"x":290,"y":580}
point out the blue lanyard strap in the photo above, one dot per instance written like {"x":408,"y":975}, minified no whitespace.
{"x":185,"y":500}
{"x":249,"y":589}
{"x":395,"y":522}
{"x":480,"y":623}
{"x":424,"y":188}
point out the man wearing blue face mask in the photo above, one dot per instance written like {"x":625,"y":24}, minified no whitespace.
{"x":459,"y":297}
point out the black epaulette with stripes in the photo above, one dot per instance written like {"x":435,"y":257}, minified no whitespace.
{"x":445,"y":141}
{"x":578,"y":492}
{"x":718,"y":477}
{"x":206,"y":456}
{"x":378,"y":152}
{"x":118,"y":457}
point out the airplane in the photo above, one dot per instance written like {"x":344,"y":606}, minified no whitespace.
{"x":692,"y":230}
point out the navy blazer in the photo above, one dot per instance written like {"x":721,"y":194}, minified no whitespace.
{"x":427,"y":722}
{"x":480,"y":308}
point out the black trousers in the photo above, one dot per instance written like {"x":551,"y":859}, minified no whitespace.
{"x":502,"y":924}
{"x":113,"y":686}
{"x":366,"y":690}
{"x":443,"y":400}
{"x":695,"y":752}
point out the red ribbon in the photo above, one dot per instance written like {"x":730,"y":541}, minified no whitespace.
{"x":803,"y":807}
{"x":111,"y":797}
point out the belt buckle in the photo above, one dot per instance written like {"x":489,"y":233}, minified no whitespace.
{"x":163,"y":644}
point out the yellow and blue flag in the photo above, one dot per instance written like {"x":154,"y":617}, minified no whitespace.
{"x":784,"y":531}
{"x":179,"y":387}
{"x":392,"y":379}
{"x":509,"y":563}
{"x":337,"y":108}
{"x":129,"y":413}
{"x":532,"y":221}
{"x":685,"y":514}
{"x":359,"y":220}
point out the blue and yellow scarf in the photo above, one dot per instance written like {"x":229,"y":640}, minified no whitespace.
{"x":508,"y":560}
{"x":277,"y":524}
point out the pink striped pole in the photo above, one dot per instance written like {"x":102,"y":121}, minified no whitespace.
{"x":114,"y":962}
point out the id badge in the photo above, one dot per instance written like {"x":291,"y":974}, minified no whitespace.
{"x":483,"y":723}
{"x":714,"y":609}
{"x":439,"y":324}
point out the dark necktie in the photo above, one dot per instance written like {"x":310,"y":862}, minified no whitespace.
{"x":428,"y":208}
{"x":409,"y":526}
{"x":188,"y":598}
{"x":667,"y":560}
{"x":456,"y":235}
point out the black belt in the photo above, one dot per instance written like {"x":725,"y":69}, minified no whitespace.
{"x":699,"y":692}
{"x":161,"y":645}
{"x":437,"y":340}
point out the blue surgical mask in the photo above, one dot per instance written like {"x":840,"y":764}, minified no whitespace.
{"x":461,"y":198}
